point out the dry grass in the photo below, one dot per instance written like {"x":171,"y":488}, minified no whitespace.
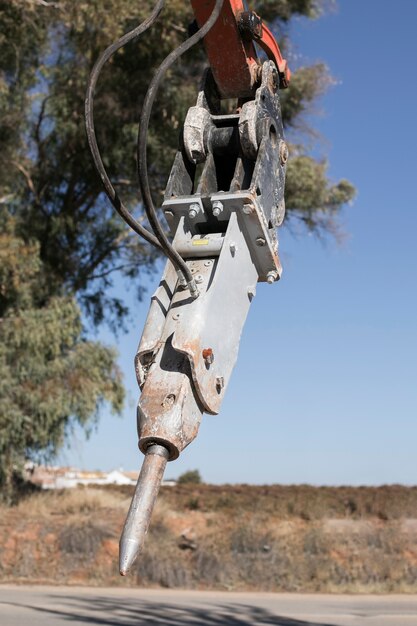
{"x":309,"y":557}
{"x":80,"y":501}
{"x":388,"y":502}
{"x":266,"y":538}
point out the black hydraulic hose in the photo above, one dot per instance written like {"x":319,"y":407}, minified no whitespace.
{"x":171,"y":253}
{"x":91,"y":134}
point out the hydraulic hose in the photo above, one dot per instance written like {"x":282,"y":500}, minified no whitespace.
{"x":171,"y":253}
{"x":90,"y":129}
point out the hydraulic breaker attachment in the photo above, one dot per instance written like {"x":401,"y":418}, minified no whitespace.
{"x":224,"y":225}
{"x":223,"y":203}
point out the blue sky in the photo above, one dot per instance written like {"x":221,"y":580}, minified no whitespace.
{"x":325,"y":387}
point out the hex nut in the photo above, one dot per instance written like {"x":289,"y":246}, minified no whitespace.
{"x":271,"y":277}
{"x":217,"y":208}
{"x":194,"y":210}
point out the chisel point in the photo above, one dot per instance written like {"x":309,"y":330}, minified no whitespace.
{"x":140,"y":511}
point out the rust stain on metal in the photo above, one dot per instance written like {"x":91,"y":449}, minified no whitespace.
{"x":208,"y":356}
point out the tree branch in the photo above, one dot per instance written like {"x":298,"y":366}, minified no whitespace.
{"x":103,"y":274}
{"x":43,"y":3}
{"x":28,"y":179}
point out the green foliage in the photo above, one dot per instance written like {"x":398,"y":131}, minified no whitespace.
{"x":311,"y":197}
{"x":190,"y":477}
{"x":284,"y":10}
{"x":307,"y":85}
{"x":50,"y":376}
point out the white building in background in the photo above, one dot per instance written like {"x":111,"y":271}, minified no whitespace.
{"x":76,"y":478}
{"x":68,"y":477}
{"x":54,"y":477}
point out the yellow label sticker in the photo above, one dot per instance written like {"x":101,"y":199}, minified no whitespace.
{"x":200,"y":242}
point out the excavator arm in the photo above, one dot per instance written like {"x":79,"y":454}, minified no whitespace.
{"x":234,"y":34}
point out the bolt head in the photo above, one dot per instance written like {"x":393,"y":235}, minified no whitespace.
{"x":248,"y":209}
{"x":194,"y":210}
{"x":260,"y":241}
{"x":199,"y":278}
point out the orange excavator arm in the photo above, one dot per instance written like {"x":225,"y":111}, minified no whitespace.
{"x":230,"y":47}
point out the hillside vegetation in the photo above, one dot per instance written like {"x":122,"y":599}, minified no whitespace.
{"x":271,"y":538}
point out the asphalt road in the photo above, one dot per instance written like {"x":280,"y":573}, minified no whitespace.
{"x":76,"y":606}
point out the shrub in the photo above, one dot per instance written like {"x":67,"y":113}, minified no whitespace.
{"x":192,"y":476}
{"x":82,"y":540}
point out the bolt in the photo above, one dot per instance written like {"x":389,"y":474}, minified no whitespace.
{"x":176,"y":316}
{"x":217,"y":208}
{"x":233,"y":248}
{"x":260,"y":241}
{"x":207,"y":263}
{"x":283,"y":152}
{"x":248,"y":209}
{"x":208,"y":356}
{"x":194,"y":210}
{"x":219,"y":383}
{"x":199,"y":278}
{"x":271,"y":277}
